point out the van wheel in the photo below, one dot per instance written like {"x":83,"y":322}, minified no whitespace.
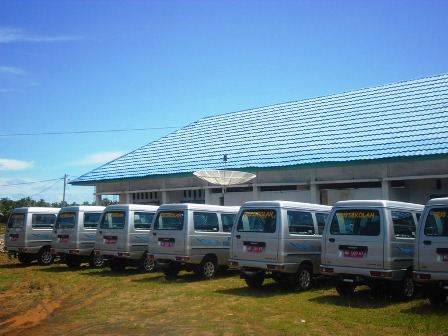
{"x":72,"y":262}
{"x":25,"y":258}
{"x":172,"y":270}
{"x":255,"y":281}
{"x":405,"y":289}
{"x":146,"y":265}
{"x":44,"y":257}
{"x":96,"y":261}
{"x":304,"y":278}
{"x":117,"y":265}
{"x":345,"y":289}
{"x":207,"y":268}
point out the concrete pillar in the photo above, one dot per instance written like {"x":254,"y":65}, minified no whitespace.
{"x":207,"y":195}
{"x":98,"y":199}
{"x":314,"y":193}
{"x":256,"y":193}
{"x":128,"y":198}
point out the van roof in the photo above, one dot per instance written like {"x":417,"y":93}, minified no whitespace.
{"x":378,"y":203}
{"x":196,"y":206}
{"x":438,"y":201}
{"x":37,"y":209}
{"x":287,"y":204}
{"x":142,"y":207}
{"x":85,"y":208}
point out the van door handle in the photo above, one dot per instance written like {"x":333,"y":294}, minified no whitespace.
{"x":331,"y":240}
{"x":427,"y":242}
{"x":237,"y":236}
{"x":100,"y":232}
{"x":154,"y":234}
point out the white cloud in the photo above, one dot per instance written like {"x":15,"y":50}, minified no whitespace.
{"x":99,"y":158}
{"x":11,"y":71}
{"x":12,"y":35}
{"x":7,"y":164}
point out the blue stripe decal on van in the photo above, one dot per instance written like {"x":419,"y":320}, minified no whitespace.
{"x":406,"y":250}
{"x":302,"y":246}
{"x":144,"y":238}
{"x":42,"y":236}
{"x":208,"y":241}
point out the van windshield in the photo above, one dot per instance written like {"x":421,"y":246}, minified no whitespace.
{"x":358,"y":222}
{"x":257,"y":220}
{"x":91,"y":220}
{"x":436,"y":223}
{"x":113,"y":220}
{"x":169,"y":220}
{"x":16,"y":221}
{"x":66,"y":220}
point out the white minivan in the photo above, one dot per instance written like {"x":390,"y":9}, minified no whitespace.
{"x":371,"y":242}
{"x":278,"y":238}
{"x":74,"y":235}
{"x":28,"y":234}
{"x":122,"y":236}
{"x":431,"y":251}
{"x":192,"y":237}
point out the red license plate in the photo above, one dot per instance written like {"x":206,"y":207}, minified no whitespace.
{"x":111,"y":241}
{"x":166,"y":244}
{"x":255,"y":249}
{"x":14,"y":238}
{"x":354,"y":254}
{"x":445,"y":258}
{"x":63,"y":240}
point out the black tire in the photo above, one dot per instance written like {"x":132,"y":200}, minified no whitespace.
{"x":172,"y":270}
{"x":96,"y":261}
{"x":208,"y":268}
{"x":44,"y":257}
{"x":72,"y":261}
{"x":345,"y":289}
{"x":117,"y":265}
{"x":146,"y":265}
{"x":405,"y":289}
{"x":25,"y":258}
{"x":255,"y":281}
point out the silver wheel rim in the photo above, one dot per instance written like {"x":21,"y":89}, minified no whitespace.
{"x":46,"y":257}
{"x":149,"y":265}
{"x":304,"y":279}
{"x":408,"y":287}
{"x":209,"y":269}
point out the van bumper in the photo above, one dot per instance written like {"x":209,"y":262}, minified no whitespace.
{"x":248,"y":266}
{"x":430,"y":277}
{"x":106,"y":254}
{"x":352,"y":274}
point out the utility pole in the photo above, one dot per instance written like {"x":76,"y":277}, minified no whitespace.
{"x":65,"y":185}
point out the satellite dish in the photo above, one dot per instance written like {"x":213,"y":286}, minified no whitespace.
{"x":224,"y":177}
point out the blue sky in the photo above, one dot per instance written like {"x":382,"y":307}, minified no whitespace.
{"x":83,"y":69}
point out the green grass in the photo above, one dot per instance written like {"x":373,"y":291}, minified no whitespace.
{"x":101,"y":302}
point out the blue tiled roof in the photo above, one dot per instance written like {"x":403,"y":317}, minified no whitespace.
{"x":390,"y":121}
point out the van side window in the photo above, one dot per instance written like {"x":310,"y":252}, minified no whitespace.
{"x":113,"y":220}
{"x":404,"y":224}
{"x":321,"y":219}
{"x":16,"y":221}
{"x":43,"y":221}
{"x":91,"y":220}
{"x":436,"y":223}
{"x":362,"y":222}
{"x":143,"y":220}
{"x":66,"y":220}
{"x":257,"y":220}
{"x":205,"y":221}
{"x":227,"y":222}
{"x":300,"y":222}
{"x":169,"y":220}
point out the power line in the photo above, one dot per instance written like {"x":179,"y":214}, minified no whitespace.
{"x":24,"y":183}
{"x":86,"y":132}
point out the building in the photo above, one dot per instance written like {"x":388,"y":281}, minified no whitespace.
{"x":387,"y":142}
